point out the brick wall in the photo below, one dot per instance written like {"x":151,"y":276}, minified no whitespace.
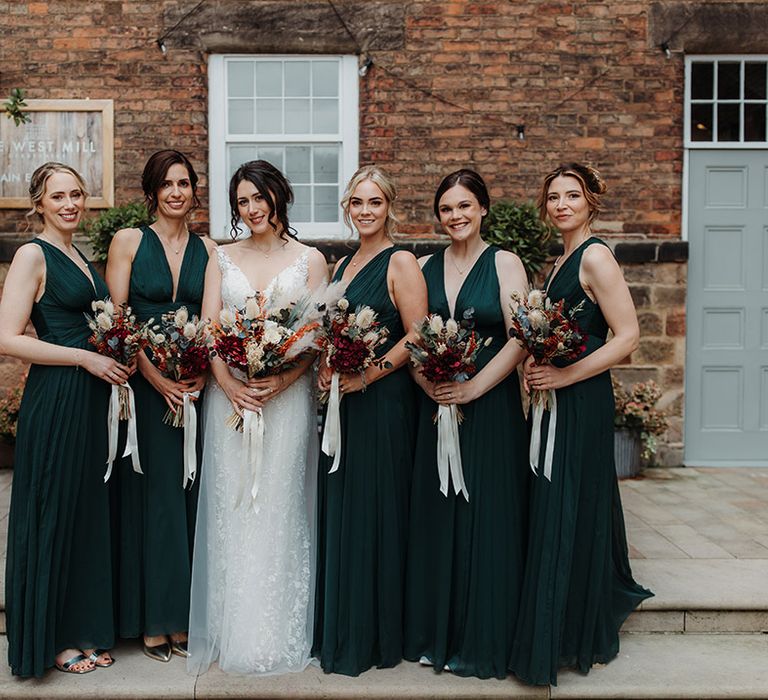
{"x":451,"y":80}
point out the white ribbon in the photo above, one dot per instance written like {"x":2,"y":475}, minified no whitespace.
{"x":549,"y":449}
{"x":113,"y":423}
{"x":449,"y":450}
{"x":253,"y":452}
{"x":190,"y":438}
{"x":332,"y":428}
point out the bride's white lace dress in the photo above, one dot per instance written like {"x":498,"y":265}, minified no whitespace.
{"x":253,"y":572}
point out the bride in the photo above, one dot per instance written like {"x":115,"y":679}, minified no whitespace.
{"x":253,"y":572}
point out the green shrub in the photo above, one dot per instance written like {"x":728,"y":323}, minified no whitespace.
{"x":9,"y":410}
{"x":517,"y":228}
{"x":101,"y":228}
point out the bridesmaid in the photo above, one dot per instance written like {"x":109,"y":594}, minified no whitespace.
{"x":466,"y":558}
{"x":363,"y":506}
{"x":59,"y":572}
{"x":578,"y":587}
{"x":156,"y":269}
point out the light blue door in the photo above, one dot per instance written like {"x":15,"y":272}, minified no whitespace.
{"x":726,"y":374}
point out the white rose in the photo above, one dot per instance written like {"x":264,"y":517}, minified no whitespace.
{"x":190,"y":331}
{"x":365,"y":317}
{"x":158,"y":339}
{"x":103,"y":321}
{"x":435,"y":323}
{"x":271,"y":336}
{"x":342,"y":304}
{"x":452,"y":328}
{"x":109,"y":308}
{"x":251,"y":308}
{"x":370,"y":337}
{"x":97,"y":305}
{"x":180,"y":317}
{"x":227,"y":318}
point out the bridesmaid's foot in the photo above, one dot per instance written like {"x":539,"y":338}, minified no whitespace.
{"x":101,"y":658}
{"x":179,"y":644}
{"x":73,"y":661}
{"x":157,"y":648}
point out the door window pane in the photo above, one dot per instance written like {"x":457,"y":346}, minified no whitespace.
{"x":728,"y":81}
{"x":754,"y":123}
{"x":701,"y":122}
{"x":754,"y":81}
{"x":702,"y":81}
{"x":727,"y":122}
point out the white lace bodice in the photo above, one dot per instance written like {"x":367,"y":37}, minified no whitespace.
{"x":235,"y":287}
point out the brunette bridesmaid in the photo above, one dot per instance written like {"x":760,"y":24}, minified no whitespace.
{"x":578,"y":586}
{"x":157,"y":269}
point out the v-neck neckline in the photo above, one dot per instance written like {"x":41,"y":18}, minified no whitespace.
{"x":559,"y":269}
{"x":274,"y":277}
{"x":357,"y":274}
{"x":187,"y":247}
{"x":470,"y":272}
{"x":88,"y":277}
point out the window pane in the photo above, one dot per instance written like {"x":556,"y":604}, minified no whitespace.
{"x":326,"y":203}
{"x":297,"y":79}
{"x":754,"y":81}
{"x":237,"y":155}
{"x":728,"y":81}
{"x":754,"y":123}
{"x":727,"y":122}
{"x":701,"y":122}
{"x":297,"y":116}
{"x":301,"y":210}
{"x":239,"y":79}
{"x":272,"y":154}
{"x":325,"y":79}
{"x":269,"y":116}
{"x":269,"y":78}
{"x":240,"y":118}
{"x":325,"y":116}
{"x":327,"y":164}
{"x":298,"y":164}
{"x":702,"y":77}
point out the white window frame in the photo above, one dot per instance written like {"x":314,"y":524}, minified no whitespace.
{"x":729,"y":145}
{"x":349,"y":129}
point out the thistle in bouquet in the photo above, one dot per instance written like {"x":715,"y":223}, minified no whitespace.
{"x":547,"y":331}
{"x":115,"y":333}
{"x":263,"y":339}
{"x":180,"y":347}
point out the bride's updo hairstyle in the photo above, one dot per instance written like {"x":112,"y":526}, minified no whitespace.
{"x":379,"y":178}
{"x":273,"y":186}
{"x":592,"y":185}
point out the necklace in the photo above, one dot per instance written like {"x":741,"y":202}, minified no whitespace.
{"x":365,"y":259}
{"x":469,"y":266}
{"x":168,"y":244}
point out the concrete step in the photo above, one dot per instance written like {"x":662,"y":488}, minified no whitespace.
{"x":649,"y":666}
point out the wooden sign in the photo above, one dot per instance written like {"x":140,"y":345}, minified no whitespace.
{"x":78,"y":133}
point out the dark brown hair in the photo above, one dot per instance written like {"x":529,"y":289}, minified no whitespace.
{"x":156,"y":172}
{"x":272,"y":185}
{"x":592,"y":184}
{"x":466,"y":178}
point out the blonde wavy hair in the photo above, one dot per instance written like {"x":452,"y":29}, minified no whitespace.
{"x":592,"y":184}
{"x":376,"y":175}
{"x":40,"y":179}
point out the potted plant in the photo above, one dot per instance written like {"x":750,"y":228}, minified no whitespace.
{"x":518,"y":228}
{"x":9,"y":416}
{"x":637,"y":423}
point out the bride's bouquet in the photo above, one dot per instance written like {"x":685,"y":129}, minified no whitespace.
{"x":445,"y":351}
{"x":350,"y":339}
{"x":265,"y":337}
{"x":179,"y":345}
{"x":547,"y":332}
{"x":116,"y":334}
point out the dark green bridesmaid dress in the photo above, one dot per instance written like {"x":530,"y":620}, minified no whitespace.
{"x":578,"y":586}
{"x":465,"y":559}
{"x":363,"y":507}
{"x":156,"y":515}
{"x":59,"y":574}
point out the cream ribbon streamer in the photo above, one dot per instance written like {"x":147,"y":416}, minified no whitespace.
{"x":190,"y":438}
{"x":253,"y":453}
{"x":449,"y":450}
{"x":113,"y":424}
{"x":332,"y":428}
{"x":549,"y":449}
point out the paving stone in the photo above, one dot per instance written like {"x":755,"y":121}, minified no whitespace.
{"x":719,"y":621}
{"x":657,"y":621}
